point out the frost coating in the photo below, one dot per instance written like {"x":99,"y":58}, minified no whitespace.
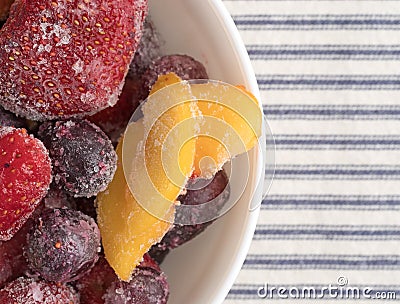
{"x":25,"y":178}
{"x":84,"y":160}
{"x":148,"y":286}
{"x":40,"y":77}
{"x":30,"y":291}
{"x":62,"y":245}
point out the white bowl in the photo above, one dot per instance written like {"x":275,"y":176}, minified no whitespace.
{"x":203,"y":270}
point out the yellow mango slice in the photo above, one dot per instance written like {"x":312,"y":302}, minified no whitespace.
{"x":232,"y":125}
{"x":186,"y":128}
{"x":137,"y":208}
{"x":127,"y":230}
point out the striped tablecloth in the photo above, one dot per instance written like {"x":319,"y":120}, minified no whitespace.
{"x":329,"y":74}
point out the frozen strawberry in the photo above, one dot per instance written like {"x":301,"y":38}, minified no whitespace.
{"x":12,"y":260}
{"x":113,"y":120}
{"x":30,"y":291}
{"x":93,"y":285}
{"x":25,"y":172}
{"x":67,"y":58}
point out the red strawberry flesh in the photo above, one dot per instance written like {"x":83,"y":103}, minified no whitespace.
{"x":113,"y":120}
{"x":25,"y":173}
{"x":67,"y":58}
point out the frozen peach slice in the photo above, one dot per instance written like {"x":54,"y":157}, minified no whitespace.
{"x":127,"y":230}
{"x":232,"y":121}
{"x":137,"y":208}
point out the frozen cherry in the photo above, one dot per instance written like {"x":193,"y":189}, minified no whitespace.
{"x":148,"y":286}
{"x":62,"y":245}
{"x":83,"y":157}
{"x":183,"y":66}
{"x":57,"y":198}
{"x":217,"y":190}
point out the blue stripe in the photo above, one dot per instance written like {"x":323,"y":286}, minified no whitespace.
{"x":336,"y":142}
{"x":327,"y":232}
{"x":328,"y":82}
{"x":331,"y":112}
{"x":337,"y":172}
{"x":317,"y":22}
{"x":344,"y":262}
{"x":332,"y":202}
{"x":324,"y":52}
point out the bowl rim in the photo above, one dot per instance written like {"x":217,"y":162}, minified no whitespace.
{"x":247,"y":71}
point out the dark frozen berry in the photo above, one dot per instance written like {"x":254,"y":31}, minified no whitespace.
{"x":148,"y":286}
{"x":217,"y":190}
{"x":12,"y":260}
{"x":159,"y":252}
{"x":94,"y":284}
{"x":183,"y":66}
{"x":57,"y":198}
{"x":149,"y":49}
{"x":62,"y":245}
{"x":8,"y":119}
{"x":149,"y":262}
{"x":201,"y":191}
{"x":87,"y":206}
{"x":30,"y":291}
{"x":83,"y":158}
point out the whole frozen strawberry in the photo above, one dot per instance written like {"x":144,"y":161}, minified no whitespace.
{"x":25,"y":176}
{"x":67,"y":58}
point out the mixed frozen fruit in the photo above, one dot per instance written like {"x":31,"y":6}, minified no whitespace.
{"x":69,"y":83}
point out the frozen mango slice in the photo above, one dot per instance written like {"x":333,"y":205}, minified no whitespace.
{"x":164,"y":81}
{"x":127,"y":230}
{"x":232,"y":121}
{"x":137,"y":208}
{"x":229,"y":119}
{"x":185,"y":127}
